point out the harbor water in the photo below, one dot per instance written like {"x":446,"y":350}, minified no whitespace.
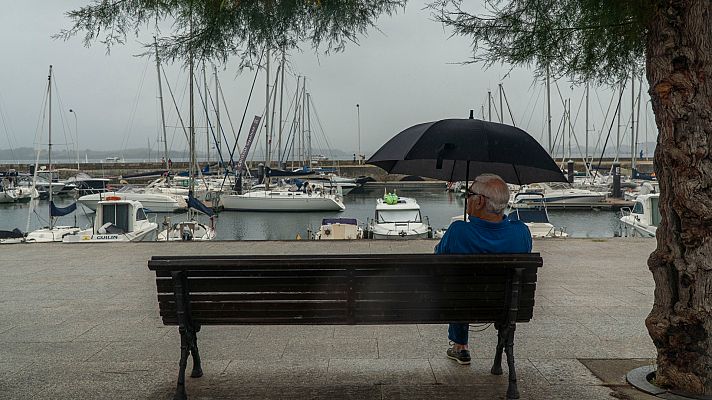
{"x":436,"y":204}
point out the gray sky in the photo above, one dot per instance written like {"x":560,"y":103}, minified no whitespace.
{"x":407,"y":73}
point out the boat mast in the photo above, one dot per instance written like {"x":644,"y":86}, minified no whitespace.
{"x":267,"y":155}
{"x":281,"y":103}
{"x":218,"y":139}
{"x":548,"y":109}
{"x":160,"y":99}
{"x":632,"y":123}
{"x":207,"y":116}
{"x":191,"y":167}
{"x":489,"y":105}
{"x":49,"y":145}
{"x":501,"y":107}
{"x":586,"y":148}
{"x":309,"y":133}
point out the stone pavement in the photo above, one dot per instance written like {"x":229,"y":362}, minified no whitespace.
{"x":81,"y":322}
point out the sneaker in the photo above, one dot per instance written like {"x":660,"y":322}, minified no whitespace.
{"x":461,"y":356}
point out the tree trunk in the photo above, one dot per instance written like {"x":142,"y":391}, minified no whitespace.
{"x":679,"y":70}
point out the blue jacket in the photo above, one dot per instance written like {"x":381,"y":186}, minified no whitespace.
{"x":480,"y":236}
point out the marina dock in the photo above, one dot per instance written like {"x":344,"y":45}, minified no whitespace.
{"x":84,"y":324}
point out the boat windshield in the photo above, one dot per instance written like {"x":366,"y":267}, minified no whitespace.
{"x":638,"y":207}
{"x":655,"y":204}
{"x":117,"y":214}
{"x":533,"y":215}
{"x":398,"y":216}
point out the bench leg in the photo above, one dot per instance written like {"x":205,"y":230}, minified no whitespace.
{"x":197,"y":369}
{"x":501,"y":339}
{"x":512,"y":390}
{"x":184,"y":350}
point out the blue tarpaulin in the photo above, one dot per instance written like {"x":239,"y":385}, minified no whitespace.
{"x":59,"y":211}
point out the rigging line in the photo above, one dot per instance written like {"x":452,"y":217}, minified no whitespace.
{"x":8,"y":134}
{"x":321,"y":128}
{"x":540,"y":91}
{"x":613,"y":120}
{"x":132,"y":114}
{"x":603,"y":125}
{"x":508,"y":107}
{"x":180,"y":118}
{"x":63,"y":122}
{"x":249,"y":98}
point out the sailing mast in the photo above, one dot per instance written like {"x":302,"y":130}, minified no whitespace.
{"x":49,"y":145}
{"x":548,"y":109}
{"x":163,"y":115}
{"x":632,"y":123}
{"x":281,"y":104}
{"x":267,"y":98}
{"x":218,"y":139}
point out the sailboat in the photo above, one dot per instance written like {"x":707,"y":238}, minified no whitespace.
{"x":190,"y":229}
{"x":51,"y":233}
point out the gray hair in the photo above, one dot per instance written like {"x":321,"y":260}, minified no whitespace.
{"x":495,"y":191}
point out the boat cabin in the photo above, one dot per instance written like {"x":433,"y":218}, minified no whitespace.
{"x":118,"y":216}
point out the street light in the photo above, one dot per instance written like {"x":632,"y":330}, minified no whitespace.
{"x":358,"y":122}
{"x":76,"y":133}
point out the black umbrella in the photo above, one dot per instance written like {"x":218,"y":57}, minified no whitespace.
{"x":457,"y":149}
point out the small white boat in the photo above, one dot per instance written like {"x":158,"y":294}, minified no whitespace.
{"x":186,"y":231}
{"x":644,"y":218}
{"x":537,"y":220}
{"x":154,"y":202}
{"x":555,"y":193}
{"x":54,"y":234}
{"x":398,"y":218}
{"x":116,"y":220}
{"x":339,"y":229}
{"x":12,"y":237}
{"x":277,"y":200}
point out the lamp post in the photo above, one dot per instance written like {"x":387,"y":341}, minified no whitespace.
{"x":76,"y":133}
{"x":358,"y":124}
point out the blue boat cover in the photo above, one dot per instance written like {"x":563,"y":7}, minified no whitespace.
{"x":59,"y":211}
{"x":197,"y":205}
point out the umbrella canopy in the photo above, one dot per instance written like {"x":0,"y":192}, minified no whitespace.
{"x":458,"y":149}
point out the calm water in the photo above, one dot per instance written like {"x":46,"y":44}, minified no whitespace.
{"x":439,"y":206}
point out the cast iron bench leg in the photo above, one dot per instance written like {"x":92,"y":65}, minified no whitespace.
{"x":501,"y":339}
{"x":197,"y":369}
{"x":512,"y":390}
{"x":180,"y":389}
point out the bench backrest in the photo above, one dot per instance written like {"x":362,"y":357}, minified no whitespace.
{"x":347,"y":289}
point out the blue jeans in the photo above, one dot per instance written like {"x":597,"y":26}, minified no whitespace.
{"x":458,"y":333}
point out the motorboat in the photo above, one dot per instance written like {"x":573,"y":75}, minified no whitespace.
{"x":11,"y":237}
{"x":643,"y":219}
{"x":398,"y":218}
{"x":153,"y":202}
{"x":85,"y":184}
{"x":555,"y":193}
{"x":537,"y":220}
{"x":116,"y":220}
{"x":53,"y":234}
{"x":280,"y":200}
{"x":339,"y":229}
{"x":17,"y":194}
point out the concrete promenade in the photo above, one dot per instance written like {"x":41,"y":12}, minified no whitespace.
{"x":81,"y":322}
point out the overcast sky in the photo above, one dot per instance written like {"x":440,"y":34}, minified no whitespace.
{"x":407,"y":73}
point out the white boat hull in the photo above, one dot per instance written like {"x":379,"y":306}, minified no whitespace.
{"x":47,"y":235}
{"x":402,"y":235}
{"x":88,"y":236}
{"x":282,"y":201}
{"x":635,"y":228}
{"x":158,"y":203}
{"x":198,"y":232}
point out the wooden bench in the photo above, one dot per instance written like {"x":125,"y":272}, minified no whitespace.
{"x":347,"y":289}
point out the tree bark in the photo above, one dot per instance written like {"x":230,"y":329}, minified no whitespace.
{"x":679,"y":71}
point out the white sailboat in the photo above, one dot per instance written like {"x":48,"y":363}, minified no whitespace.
{"x":191,"y":229}
{"x":51,"y":233}
{"x":537,"y":220}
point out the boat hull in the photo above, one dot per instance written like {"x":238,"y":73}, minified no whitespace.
{"x":282,"y":202}
{"x":156,"y":203}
